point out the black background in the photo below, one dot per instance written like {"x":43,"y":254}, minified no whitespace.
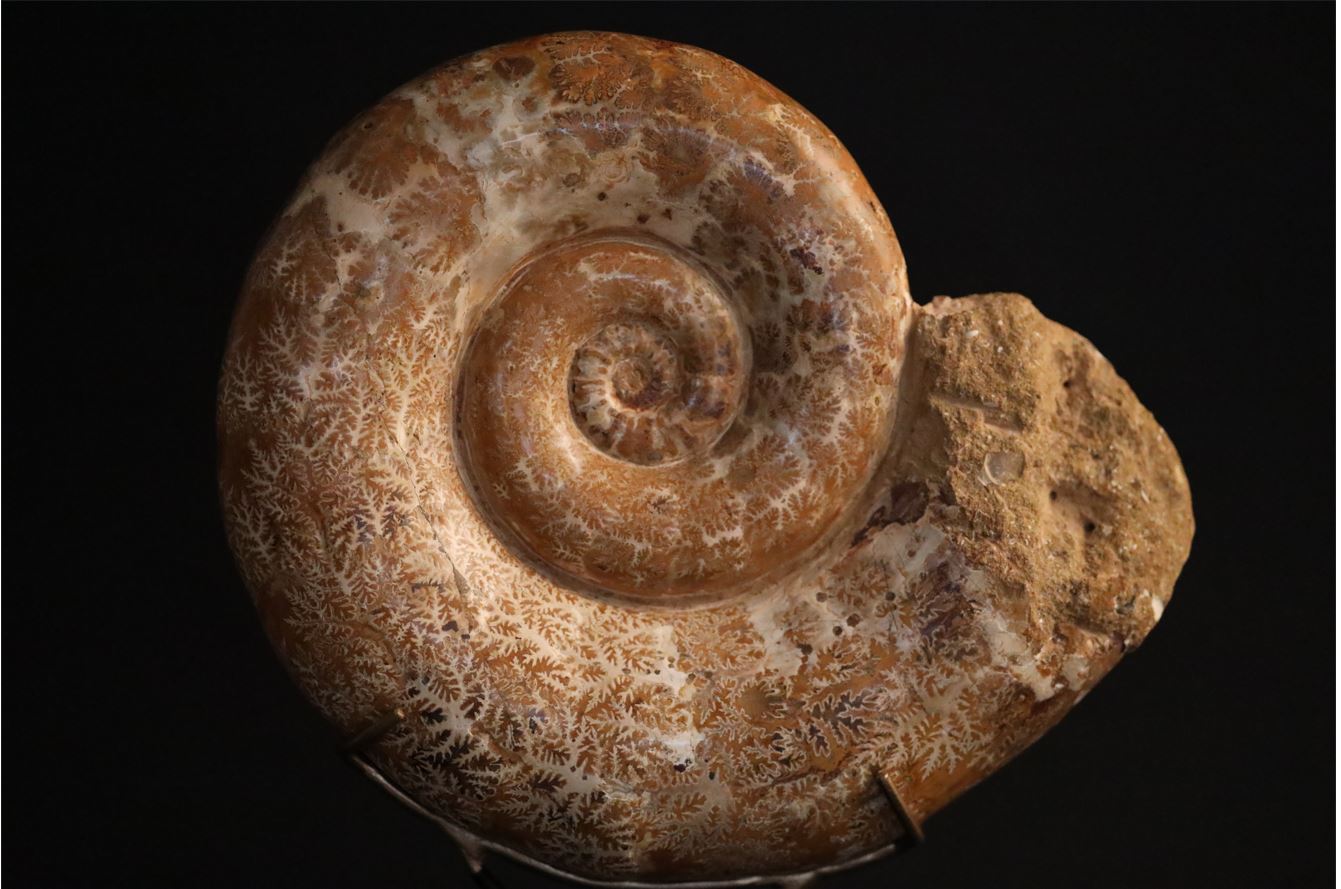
{"x":1158,"y":178}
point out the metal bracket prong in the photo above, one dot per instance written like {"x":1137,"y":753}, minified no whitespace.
{"x":475,"y":850}
{"x":912,"y":829}
{"x":471,"y":849}
{"x":374,"y":732}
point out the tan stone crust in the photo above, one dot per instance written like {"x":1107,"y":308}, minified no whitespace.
{"x":577,"y":408}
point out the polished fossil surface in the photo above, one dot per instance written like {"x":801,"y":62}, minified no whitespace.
{"x":576,"y":407}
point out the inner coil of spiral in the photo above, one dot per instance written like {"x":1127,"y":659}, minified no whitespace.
{"x":685,"y":378}
{"x":633,"y":446}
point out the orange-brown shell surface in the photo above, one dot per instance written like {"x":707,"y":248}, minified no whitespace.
{"x":576,"y":408}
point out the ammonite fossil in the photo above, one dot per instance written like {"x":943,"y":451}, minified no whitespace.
{"x":588,"y":459}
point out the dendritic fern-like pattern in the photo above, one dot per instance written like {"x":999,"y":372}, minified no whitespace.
{"x":576,"y":404}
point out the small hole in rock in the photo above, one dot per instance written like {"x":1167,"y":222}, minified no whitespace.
{"x":1052,"y":495}
{"x":1089,"y":527}
{"x":1066,"y":384}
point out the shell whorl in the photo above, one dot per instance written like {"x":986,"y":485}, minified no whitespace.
{"x":684,"y":378}
{"x":641,"y":425}
{"x":576,"y":406}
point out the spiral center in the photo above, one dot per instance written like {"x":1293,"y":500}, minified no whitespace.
{"x":637,"y":385}
{"x":640,"y":396}
{"x":640,"y":361}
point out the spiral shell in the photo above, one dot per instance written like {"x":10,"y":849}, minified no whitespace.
{"x":576,"y":408}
